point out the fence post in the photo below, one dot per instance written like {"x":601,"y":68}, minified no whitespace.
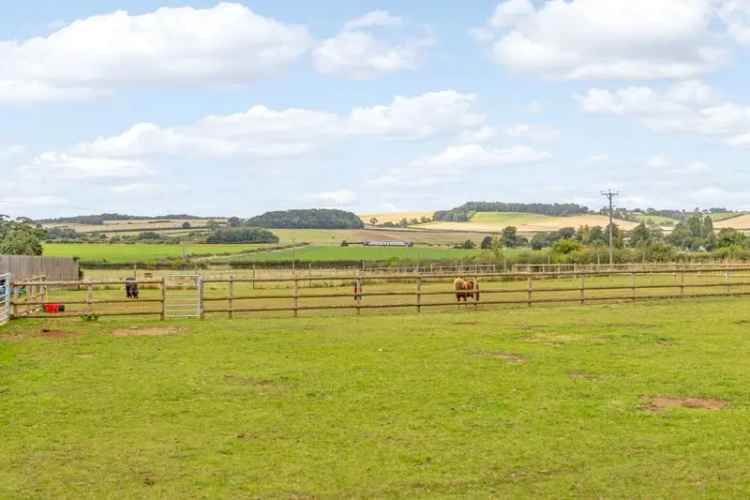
{"x":583,"y":289}
{"x":90,"y":298}
{"x":682,"y":284}
{"x":201,"y":308}
{"x":296,"y":297}
{"x":419,"y":293}
{"x":253,"y":276}
{"x":231,"y":297}
{"x":530,"y":290}
{"x":163,"y":314}
{"x":729,"y":286}
{"x":632,"y":277}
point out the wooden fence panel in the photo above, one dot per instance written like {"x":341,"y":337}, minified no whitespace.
{"x":24,"y":267}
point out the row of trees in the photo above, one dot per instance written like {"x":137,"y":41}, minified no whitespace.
{"x":465,"y":211}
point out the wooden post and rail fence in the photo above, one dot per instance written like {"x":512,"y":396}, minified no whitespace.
{"x":416,"y":291}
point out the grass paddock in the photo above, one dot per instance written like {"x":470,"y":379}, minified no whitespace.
{"x":542,"y":402}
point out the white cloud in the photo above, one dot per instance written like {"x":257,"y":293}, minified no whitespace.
{"x":359,"y":54}
{"x":659,"y":161}
{"x":534,"y":107}
{"x":266,"y":133}
{"x":455,"y":161}
{"x":613,"y":39}
{"x":227,"y":43}
{"x":376,"y":18}
{"x":72,"y":167}
{"x":32,"y":201}
{"x":736,"y":13}
{"x":598,"y":158}
{"x":536,"y":133}
{"x":687,"y":108}
{"x":340,"y":198}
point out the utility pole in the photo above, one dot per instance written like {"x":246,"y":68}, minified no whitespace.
{"x":611,"y":195}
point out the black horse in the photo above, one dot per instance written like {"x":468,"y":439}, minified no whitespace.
{"x":131,"y":288}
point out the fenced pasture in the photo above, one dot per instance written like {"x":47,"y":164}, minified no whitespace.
{"x":141,"y":252}
{"x":644,"y":400}
{"x":361,"y":293}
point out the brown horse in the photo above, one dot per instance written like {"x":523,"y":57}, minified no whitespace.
{"x":466,"y":289}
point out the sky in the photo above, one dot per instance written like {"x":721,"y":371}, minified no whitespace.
{"x":240,"y":107}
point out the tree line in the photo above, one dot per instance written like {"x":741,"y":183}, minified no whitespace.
{"x":467,"y":210}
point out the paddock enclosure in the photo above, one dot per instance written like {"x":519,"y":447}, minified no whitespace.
{"x":207,"y":295}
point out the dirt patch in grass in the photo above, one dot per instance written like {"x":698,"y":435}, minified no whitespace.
{"x":577,"y":376}
{"x":145,"y":332}
{"x":508,"y":357}
{"x":57,"y":334}
{"x":659,"y":403}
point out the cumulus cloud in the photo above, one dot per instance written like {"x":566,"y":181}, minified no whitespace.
{"x":262,"y":132}
{"x":358,"y":52}
{"x":533,"y":132}
{"x":616,"y":39}
{"x":688,"y":108}
{"x":73,"y":167}
{"x":455,"y":161}
{"x":266,"y":133}
{"x":227,"y":43}
{"x":340,"y":198}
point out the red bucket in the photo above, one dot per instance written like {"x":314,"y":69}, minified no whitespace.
{"x":52,"y":308}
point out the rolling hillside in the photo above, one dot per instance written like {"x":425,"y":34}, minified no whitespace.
{"x":525,"y":222}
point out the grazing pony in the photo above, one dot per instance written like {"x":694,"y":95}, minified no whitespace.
{"x":466,"y":289}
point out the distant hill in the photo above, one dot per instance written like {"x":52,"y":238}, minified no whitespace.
{"x":465,"y":212}
{"x":315,"y":218}
{"x":100,"y":219}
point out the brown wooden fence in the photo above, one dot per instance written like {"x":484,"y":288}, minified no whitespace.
{"x":23,"y":267}
{"x":358,"y":293}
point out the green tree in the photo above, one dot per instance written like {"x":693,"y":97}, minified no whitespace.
{"x":509,"y":237}
{"x":20,"y":237}
{"x":486,"y":243}
{"x":566,"y":246}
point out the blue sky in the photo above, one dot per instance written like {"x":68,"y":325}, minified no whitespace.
{"x":240,"y":107}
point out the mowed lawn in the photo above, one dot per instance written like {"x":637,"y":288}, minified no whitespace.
{"x":118,"y":253}
{"x":517,"y":403}
{"x":356,"y":253}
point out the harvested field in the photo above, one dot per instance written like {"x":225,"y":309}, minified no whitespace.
{"x":396,"y":217}
{"x":526,"y":223}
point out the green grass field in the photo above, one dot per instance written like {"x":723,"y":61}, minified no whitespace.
{"x":509,"y":218}
{"x":356,"y":253}
{"x":513,"y":403}
{"x":120,"y":253}
{"x":656,"y":219}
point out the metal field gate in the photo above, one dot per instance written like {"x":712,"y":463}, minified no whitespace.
{"x":5,"y":296}
{"x":182,"y":296}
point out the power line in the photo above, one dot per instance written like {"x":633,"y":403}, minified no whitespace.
{"x":611,"y":195}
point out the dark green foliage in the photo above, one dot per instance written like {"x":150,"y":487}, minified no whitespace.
{"x":61,"y":233}
{"x":731,"y":237}
{"x":149,"y":236}
{"x":316,"y":218}
{"x":511,"y":239}
{"x":695,"y":233}
{"x":20,"y":238}
{"x":486,"y":243}
{"x":465,"y":211}
{"x":242,"y":235}
{"x":99,"y":219}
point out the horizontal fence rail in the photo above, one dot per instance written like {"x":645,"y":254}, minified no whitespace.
{"x":193,"y":296}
